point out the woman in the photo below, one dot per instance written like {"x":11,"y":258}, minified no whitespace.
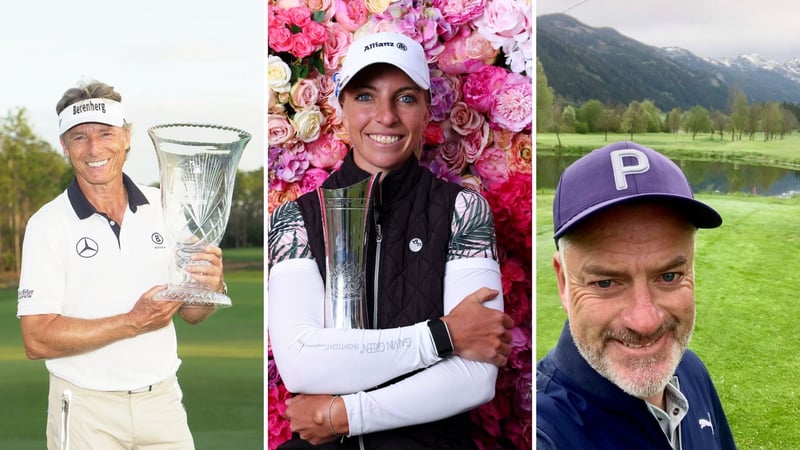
{"x":437,"y":331}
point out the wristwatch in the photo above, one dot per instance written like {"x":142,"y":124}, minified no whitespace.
{"x":441,"y":337}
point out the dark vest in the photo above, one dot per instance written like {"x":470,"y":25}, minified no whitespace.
{"x":411,"y":205}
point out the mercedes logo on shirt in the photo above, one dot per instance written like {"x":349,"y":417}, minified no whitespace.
{"x":86,"y":247}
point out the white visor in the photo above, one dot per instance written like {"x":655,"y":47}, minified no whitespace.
{"x":97,"y":110}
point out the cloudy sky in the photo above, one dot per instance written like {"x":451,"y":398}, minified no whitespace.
{"x":172,"y":61}
{"x":709,"y":28}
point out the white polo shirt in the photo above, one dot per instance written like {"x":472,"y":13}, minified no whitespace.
{"x":78,"y":263}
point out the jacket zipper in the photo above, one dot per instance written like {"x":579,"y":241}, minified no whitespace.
{"x":378,"y":239}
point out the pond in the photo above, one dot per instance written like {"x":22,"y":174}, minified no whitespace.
{"x":704,"y":176}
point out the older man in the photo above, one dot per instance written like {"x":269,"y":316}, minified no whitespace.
{"x":92,"y":260}
{"x":620,"y":375}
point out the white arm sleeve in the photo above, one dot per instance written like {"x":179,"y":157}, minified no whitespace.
{"x":448,"y":388}
{"x":317,"y":360}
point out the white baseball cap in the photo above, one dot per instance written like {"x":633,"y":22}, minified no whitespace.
{"x":97,"y":110}
{"x":392,"y":48}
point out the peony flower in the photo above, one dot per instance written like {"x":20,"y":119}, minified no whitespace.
{"x":279,"y":130}
{"x":290,"y":165}
{"x":459,"y":12}
{"x":312,"y":179}
{"x":480,"y":87}
{"x":327,"y":152}
{"x":278,"y":427}
{"x":504,"y":21}
{"x":351,"y":14}
{"x":308,"y":124}
{"x":491,"y":167}
{"x":278,"y":74}
{"x":304,"y":94}
{"x":513,"y":105}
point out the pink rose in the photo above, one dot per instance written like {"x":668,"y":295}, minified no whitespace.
{"x":322,"y":5}
{"x":286,"y":4}
{"x":472,"y":182}
{"x":326,"y":85}
{"x":304,"y":94}
{"x":280,"y":39}
{"x":279,"y":130}
{"x":336,"y":46}
{"x":452,"y":154}
{"x":351,"y":14}
{"x":467,"y":52}
{"x":491,"y":167}
{"x":299,"y":15}
{"x":513,"y":106}
{"x":464,"y":119}
{"x":312,"y":179}
{"x":480,"y":87}
{"x":316,"y":33}
{"x":434,"y":134}
{"x":473,"y":144}
{"x":458,"y":12}
{"x":302,"y":46}
{"x":326,"y":152}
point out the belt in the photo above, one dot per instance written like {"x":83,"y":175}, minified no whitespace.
{"x":144,"y":389}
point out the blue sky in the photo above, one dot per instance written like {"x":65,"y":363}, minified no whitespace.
{"x":708,"y":28}
{"x":172,"y":61}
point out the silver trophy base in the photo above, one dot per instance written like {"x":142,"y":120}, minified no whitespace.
{"x":194,"y":297}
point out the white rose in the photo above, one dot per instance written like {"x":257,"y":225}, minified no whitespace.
{"x":308,"y":124}
{"x":278,"y":74}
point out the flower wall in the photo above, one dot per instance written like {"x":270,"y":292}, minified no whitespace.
{"x":480,"y":55}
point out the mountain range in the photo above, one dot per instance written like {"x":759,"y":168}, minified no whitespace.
{"x":583,"y":63}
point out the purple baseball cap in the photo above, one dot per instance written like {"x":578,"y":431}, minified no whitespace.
{"x":623,"y":172}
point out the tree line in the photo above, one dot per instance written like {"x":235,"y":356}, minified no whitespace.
{"x":742,"y":120}
{"x":32,"y":173}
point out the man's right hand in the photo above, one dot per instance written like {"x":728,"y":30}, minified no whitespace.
{"x":149,"y":315}
{"x":480,"y":333}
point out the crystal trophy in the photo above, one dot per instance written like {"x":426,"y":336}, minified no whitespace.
{"x":197,"y":168}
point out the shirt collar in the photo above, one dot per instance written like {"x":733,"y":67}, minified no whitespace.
{"x":84,"y":209}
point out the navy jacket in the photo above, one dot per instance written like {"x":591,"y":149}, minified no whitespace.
{"x":577,"y":408}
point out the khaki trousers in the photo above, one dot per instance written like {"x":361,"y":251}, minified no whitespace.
{"x":151,"y":418}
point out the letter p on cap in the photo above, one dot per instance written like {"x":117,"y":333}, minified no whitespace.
{"x":642,"y":165}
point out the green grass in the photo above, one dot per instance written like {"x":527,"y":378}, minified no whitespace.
{"x":777,"y":153}
{"x":746,"y":293}
{"x":221,"y":374}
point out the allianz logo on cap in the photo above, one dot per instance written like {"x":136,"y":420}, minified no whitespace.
{"x":397,"y":45}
